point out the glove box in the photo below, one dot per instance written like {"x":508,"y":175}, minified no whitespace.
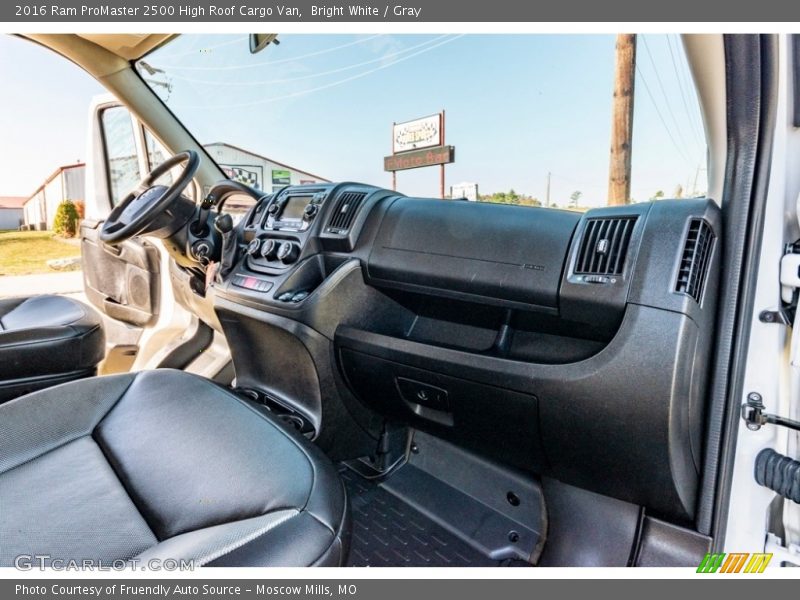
{"x":493,"y":421}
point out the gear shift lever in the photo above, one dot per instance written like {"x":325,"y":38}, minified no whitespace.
{"x":224,"y":224}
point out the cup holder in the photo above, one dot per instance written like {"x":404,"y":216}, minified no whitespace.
{"x":295,"y":421}
{"x":286,"y":415}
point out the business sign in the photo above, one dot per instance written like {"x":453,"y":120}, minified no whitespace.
{"x":440,"y":155}
{"x":281,"y":177}
{"x":465,"y":190}
{"x":419,"y":133}
{"x":251,"y":175}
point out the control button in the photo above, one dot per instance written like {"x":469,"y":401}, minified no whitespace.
{"x":252,"y":283}
{"x":424,"y":394}
{"x":288,"y":252}
{"x":269,"y":249}
{"x":310,"y":211}
{"x":263,"y":285}
{"x":286,"y":297}
{"x":273,"y":208}
{"x":253,"y":246}
{"x":300,"y":296}
{"x":596,"y":279}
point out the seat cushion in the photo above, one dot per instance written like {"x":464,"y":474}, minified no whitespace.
{"x":163,"y":464}
{"x":47,"y":336}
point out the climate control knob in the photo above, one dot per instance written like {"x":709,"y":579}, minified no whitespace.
{"x":253,"y":246}
{"x":269,"y":249}
{"x":273,"y":208}
{"x":288,"y":252}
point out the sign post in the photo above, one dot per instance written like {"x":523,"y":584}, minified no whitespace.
{"x":419,"y":143}
{"x":441,"y":167}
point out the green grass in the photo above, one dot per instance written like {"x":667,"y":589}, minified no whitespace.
{"x":26,"y":252}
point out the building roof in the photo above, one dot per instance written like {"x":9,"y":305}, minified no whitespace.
{"x":12,"y":201}
{"x":52,"y":176}
{"x":267,"y":158}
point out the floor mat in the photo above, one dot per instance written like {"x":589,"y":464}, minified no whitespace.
{"x":387,"y":532}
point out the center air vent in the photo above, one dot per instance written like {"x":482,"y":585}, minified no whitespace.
{"x":604,"y":246}
{"x":345,"y":211}
{"x":695,"y":259}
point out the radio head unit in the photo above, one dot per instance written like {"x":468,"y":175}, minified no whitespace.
{"x":294,"y":211}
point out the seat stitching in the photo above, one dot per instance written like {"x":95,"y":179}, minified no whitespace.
{"x":77,"y":437}
{"x":246,"y":539}
{"x":109,"y":456}
{"x":53,"y":338}
{"x":275,"y":426}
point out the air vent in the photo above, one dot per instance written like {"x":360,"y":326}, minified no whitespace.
{"x":604,"y":246}
{"x":345,"y":211}
{"x":695,"y":259}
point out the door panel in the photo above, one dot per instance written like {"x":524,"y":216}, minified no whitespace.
{"x":122,"y":282}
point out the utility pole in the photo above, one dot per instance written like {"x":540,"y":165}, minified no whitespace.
{"x":547,"y":195}
{"x":619,"y":172}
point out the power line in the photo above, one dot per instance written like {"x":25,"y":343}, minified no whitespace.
{"x":661,"y":117}
{"x":664,"y":92}
{"x":272,"y":62}
{"x":692,"y":127}
{"x":312,"y":75}
{"x":691,"y":91}
{"x":322,"y":87}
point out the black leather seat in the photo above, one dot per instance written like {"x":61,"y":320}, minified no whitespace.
{"x":46,"y":340}
{"x":163,"y":464}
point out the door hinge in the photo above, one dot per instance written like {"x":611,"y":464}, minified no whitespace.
{"x":755,"y":417}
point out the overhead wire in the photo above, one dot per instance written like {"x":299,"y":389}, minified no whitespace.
{"x":311,"y":75}
{"x":271,"y":62}
{"x":330,"y":85}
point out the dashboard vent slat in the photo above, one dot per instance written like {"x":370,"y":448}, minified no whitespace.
{"x":695,"y":259}
{"x":604,"y":246}
{"x":345,"y":211}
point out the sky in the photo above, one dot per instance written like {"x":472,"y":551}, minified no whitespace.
{"x":517,"y":107}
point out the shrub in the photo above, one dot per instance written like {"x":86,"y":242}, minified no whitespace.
{"x":66,"y":219}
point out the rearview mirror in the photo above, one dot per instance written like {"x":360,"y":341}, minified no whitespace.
{"x":259,"y":41}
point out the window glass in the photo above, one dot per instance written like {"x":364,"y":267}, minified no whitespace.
{"x":121,"y":158}
{"x":530,"y":116}
{"x":156,"y":154}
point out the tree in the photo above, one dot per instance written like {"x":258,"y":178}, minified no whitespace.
{"x":658,"y":195}
{"x":510,"y":197}
{"x":574,"y":197}
{"x":678,"y":193}
{"x":65,"y":223}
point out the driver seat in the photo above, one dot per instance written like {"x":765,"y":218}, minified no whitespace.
{"x":46,"y":340}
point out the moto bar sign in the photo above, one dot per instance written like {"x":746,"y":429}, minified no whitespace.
{"x":440,"y":155}
{"x":419,"y":143}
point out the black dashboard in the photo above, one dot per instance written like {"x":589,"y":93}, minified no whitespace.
{"x":561,"y":343}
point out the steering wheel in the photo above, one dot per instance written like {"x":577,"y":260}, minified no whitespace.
{"x":147,"y":202}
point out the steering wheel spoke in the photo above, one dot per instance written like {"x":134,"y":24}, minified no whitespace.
{"x":147,"y":202}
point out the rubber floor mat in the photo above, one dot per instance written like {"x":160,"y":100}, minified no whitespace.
{"x":387,"y":532}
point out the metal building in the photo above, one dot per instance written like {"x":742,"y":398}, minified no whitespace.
{"x":11,"y":212}
{"x":256,"y":170}
{"x":65,"y":183}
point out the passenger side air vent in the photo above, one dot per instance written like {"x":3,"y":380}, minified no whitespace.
{"x":345,"y":211}
{"x":695,"y":259}
{"x":604,"y":246}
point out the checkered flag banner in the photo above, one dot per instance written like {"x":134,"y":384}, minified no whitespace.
{"x":244,"y":176}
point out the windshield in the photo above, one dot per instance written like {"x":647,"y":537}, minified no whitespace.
{"x":529,"y":117}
